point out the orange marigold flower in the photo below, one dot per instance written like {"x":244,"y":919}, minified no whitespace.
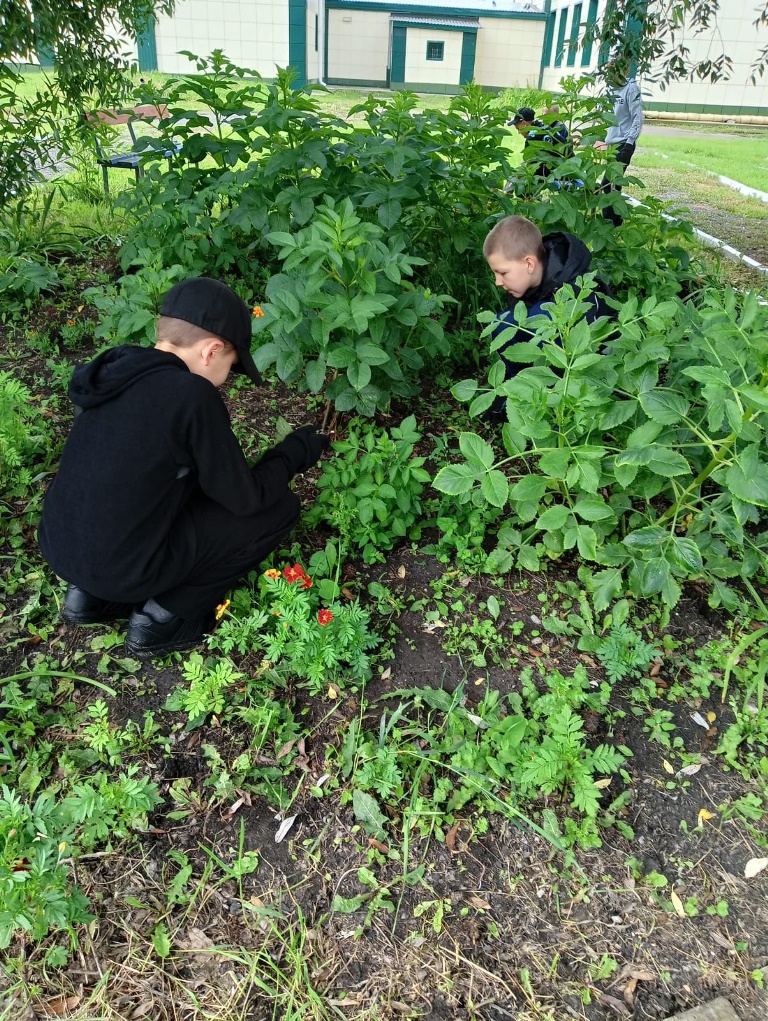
{"x":324,"y":617}
{"x":70,"y":322}
{"x":221,"y":609}
{"x":272,"y":573}
{"x":307,"y":582}
{"x":258,"y":311}
{"x":292,"y":574}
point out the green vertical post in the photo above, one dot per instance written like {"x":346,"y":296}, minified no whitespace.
{"x":297,"y":39}
{"x":573,"y":41}
{"x":586,"y":53}
{"x":562,"y":25}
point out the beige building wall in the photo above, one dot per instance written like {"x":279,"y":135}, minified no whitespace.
{"x":419,"y":70}
{"x":733,"y":33}
{"x":358,"y":44}
{"x":254,"y":35}
{"x":508,"y":52}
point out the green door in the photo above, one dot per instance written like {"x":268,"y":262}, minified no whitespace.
{"x":147,"y":48}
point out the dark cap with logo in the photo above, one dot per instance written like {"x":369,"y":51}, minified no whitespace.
{"x":213,"y":306}
{"x":525,"y":113}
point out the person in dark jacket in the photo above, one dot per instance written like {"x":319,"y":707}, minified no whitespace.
{"x":546,"y":144}
{"x":531,"y":269}
{"x":154,"y":512}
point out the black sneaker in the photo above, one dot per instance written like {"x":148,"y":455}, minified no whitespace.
{"x":147,"y":637}
{"x":81,"y":607}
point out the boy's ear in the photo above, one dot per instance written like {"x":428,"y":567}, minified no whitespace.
{"x":209,"y":347}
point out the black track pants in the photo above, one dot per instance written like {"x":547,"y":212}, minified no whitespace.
{"x":227,"y":548}
{"x":623,"y":155}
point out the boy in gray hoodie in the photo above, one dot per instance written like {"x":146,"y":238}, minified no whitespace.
{"x":628,"y":111}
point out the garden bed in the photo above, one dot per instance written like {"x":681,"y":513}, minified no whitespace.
{"x":532,"y":783}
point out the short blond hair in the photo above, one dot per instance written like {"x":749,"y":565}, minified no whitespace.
{"x":515,"y":237}
{"x":180,"y":333}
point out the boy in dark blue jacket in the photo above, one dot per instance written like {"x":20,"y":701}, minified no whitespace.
{"x":531,"y":269}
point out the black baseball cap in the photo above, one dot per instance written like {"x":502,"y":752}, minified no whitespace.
{"x":525,"y":113}
{"x":213,"y":306}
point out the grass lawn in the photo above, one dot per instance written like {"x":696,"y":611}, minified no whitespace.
{"x":742,"y":159}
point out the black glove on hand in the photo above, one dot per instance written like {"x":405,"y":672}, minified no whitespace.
{"x":304,"y":447}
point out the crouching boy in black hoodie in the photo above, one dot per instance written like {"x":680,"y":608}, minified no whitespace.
{"x":154,"y":513}
{"x":531,"y":269}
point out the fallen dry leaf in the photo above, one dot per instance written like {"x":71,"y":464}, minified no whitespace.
{"x":286,"y":748}
{"x":60,"y":1006}
{"x":631,"y":986}
{"x":386,"y":674}
{"x":478,"y":902}
{"x":753,"y":866}
{"x":677,"y":904}
{"x":689,"y":770}
{"x":704,"y":815}
{"x":373,"y":842}
{"x":450,"y":837}
{"x":401,"y":571}
{"x":668,"y":768}
{"x":603,"y":783}
{"x":614,"y":1004}
{"x":282,"y":829}
{"x":699,"y":720}
{"x":721,"y":940}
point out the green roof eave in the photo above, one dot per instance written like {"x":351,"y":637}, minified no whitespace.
{"x":438,"y":12}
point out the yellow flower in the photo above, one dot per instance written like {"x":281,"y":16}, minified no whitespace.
{"x":222,"y":609}
{"x":272,"y":573}
{"x":258,"y":311}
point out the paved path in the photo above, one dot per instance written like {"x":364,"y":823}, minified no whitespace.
{"x":651,"y":128}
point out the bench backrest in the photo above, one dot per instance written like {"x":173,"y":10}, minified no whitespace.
{"x":126,"y":115}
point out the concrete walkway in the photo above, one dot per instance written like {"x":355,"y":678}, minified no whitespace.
{"x":651,"y":128}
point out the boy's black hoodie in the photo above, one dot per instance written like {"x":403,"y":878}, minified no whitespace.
{"x":149,"y":436}
{"x":567,"y":257}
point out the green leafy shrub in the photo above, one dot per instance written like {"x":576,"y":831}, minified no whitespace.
{"x":371,"y":490}
{"x":35,"y":890}
{"x":320,"y":645}
{"x":645,"y":455}
{"x":341,"y":305}
{"x":516,"y":751}
{"x":23,"y":436}
{"x":37,"y":841}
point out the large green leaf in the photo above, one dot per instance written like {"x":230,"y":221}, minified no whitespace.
{"x":476,"y":450}
{"x":464,"y":390}
{"x":359,"y":375}
{"x":495,"y":488}
{"x":368,"y":813}
{"x":747,"y":478}
{"x":554,"y":517}
{"x":592,"y":508}
{"x":664,"y":406}
{"x":371,"y":354}
{"x":315,"y":374}
{"x":455,"y":479}
{"x":530,"y":487}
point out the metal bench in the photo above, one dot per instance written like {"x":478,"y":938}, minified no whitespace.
{"x":133,"y":159}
